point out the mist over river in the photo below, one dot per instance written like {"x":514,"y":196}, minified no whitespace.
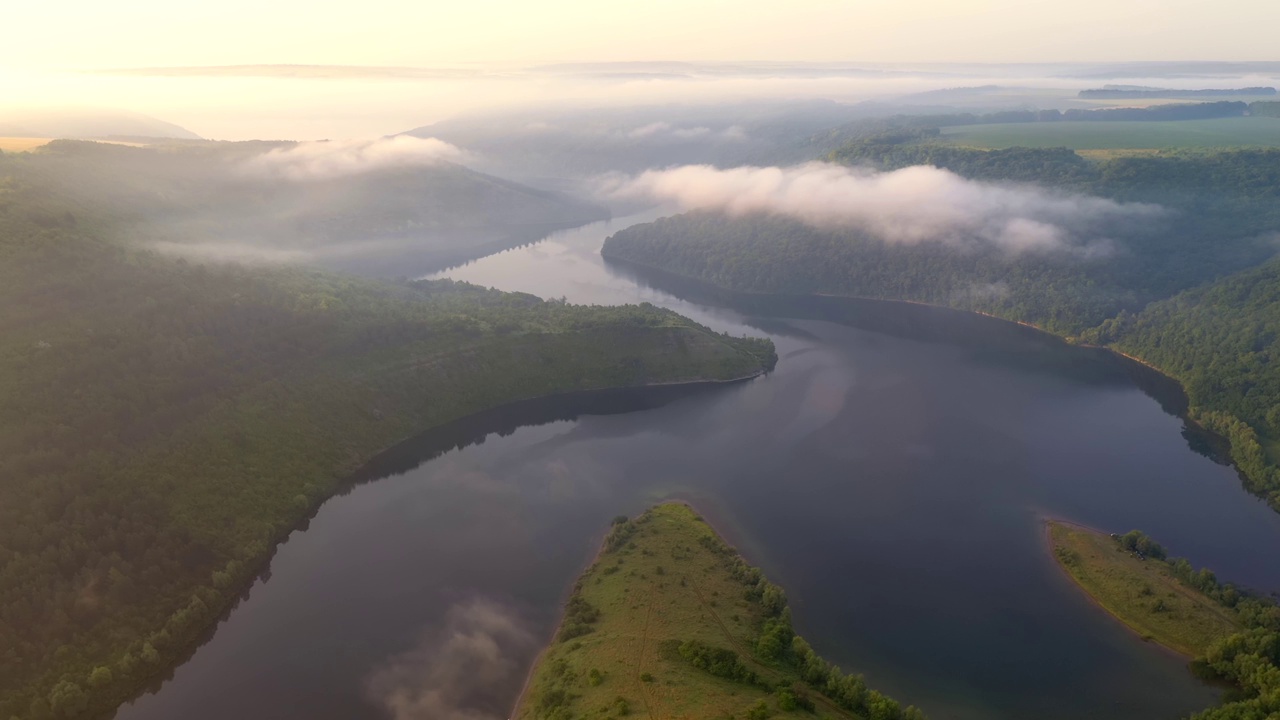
{"x":892,"y":474}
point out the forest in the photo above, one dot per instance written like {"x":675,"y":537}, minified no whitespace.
{"x":1192,"y":293}
{"x":165,"y":423}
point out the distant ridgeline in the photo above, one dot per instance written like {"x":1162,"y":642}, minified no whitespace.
{"x":1233,"y":636}
{"x":164,"y":423}
{"x":1194,"y":292}
{"x":1120,"y":93}
{"x":670,"y":622}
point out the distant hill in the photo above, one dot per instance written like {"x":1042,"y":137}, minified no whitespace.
{"x":395,"y":215}
{"x":88,"y":124}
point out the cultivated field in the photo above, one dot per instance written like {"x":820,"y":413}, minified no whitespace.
{"x":1118,"y":135}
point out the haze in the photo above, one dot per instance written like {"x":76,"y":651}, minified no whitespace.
{"x":436,"y":60}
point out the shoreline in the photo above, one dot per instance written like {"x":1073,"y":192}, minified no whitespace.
{"x":537,"y":660}
{"x":1187,"y":414}
{"x":1048,"y":522}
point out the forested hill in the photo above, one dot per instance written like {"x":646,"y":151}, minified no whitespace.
{"x":384,"y":208}
{"x":1222,"y":342}
{"x":164,"y":423}
{"x":1224,"y":208}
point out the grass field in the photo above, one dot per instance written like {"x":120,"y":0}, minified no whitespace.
{"x":1143,"y":594}
{"x":664,"y":586}
{"x":1218,"y":132}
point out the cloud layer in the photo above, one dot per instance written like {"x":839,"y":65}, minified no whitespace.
{"x":325,"y":159}
{"x":452,"y":673}
{"x":912,"y":205}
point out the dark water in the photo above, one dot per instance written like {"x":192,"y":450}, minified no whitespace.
{"x":891,"y":474}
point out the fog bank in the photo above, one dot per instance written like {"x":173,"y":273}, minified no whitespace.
{"x":324,"y":159}
{"x":911,"y":205}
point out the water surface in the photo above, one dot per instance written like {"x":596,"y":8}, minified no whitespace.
{"x":892,"y":474}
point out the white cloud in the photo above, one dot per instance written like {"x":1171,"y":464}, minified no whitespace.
{"x":324,"y":159}
{"x":912,"y":205}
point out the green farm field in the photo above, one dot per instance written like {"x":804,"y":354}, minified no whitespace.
{"x":1217,"y":132}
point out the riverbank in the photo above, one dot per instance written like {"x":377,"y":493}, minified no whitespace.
{"x":1234,"y":441}
{"x":1141,"y":592}
{"x":668,"y":621}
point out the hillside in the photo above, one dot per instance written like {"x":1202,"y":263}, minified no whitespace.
{"x":381,"y":207}
{"x":669,"y":622}
{"x":164,"y":423}
{"x":1222,"y":342}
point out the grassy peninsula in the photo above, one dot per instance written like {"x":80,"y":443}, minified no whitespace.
{"x":1141,"y":590}
{"x":165,"y":423}
{"x":669,"y":622}
{"x":1232,"y":635}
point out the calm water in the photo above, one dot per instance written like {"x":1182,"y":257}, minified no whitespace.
{"x":892,"y":474}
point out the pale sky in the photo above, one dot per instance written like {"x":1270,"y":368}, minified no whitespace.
{"x":93,"y":34}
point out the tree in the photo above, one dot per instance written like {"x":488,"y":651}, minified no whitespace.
{"x":68,"y":699}
{"x":100,"y":677}
{"x":759,"y":711}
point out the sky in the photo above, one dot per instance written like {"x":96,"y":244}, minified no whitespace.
{"x":69,"y":54}
{"x":90,"y":34}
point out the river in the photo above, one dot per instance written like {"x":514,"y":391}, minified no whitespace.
{"x":892,"y":474}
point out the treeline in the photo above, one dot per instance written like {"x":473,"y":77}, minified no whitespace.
{"x":777,"y":644}
{"x":163,"y":424}
{"x":1222,"y":342}
{"x":1249,"y":659}
{"x":1116,"y":93}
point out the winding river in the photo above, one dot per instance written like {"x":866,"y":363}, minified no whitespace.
{"x":892,"y":474}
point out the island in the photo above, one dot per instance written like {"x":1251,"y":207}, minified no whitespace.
{"x":1232,"y":636}
{"x":670,"y":622}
